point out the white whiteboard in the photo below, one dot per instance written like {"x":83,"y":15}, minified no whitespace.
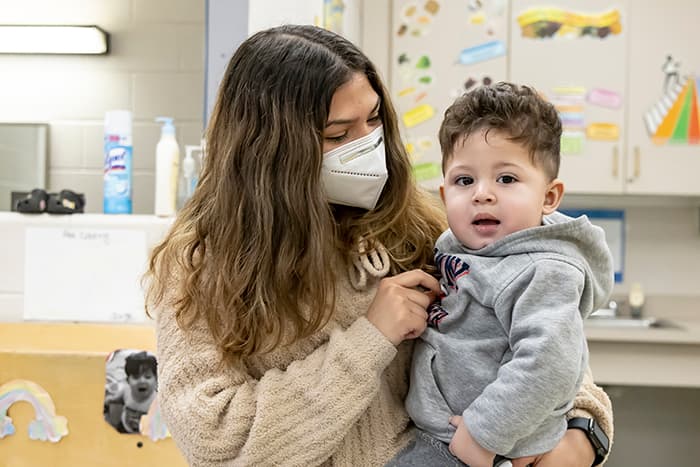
{"x":83,"y":274}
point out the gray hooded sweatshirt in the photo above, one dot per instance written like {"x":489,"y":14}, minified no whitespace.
{"x":506,"y":347}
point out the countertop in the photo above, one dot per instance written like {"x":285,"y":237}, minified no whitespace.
{"x":660,"y":357}
{"x":687,"y":332}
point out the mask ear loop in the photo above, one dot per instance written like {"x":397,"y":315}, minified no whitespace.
{"x":375,"y":262}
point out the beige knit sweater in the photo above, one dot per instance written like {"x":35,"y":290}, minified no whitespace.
{"x":335,"y":398}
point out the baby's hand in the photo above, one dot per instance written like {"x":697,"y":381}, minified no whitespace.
{"x":466,"y":449}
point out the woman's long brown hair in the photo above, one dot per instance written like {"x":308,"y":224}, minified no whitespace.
{"x":253,"y":252}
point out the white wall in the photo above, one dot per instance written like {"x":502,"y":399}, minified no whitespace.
{"x":155,"y":67}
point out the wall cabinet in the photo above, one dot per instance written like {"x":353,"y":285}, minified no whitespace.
{"x":584,"y":76}
{"x":640,"y":132}
{"x":672,"y":163}
{"x":622,"y":75}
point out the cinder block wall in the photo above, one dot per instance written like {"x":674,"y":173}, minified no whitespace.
{"x":155,"y":67}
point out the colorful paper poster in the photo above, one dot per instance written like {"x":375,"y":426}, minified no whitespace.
{"x":334,"y":15}
{"x":546,"y":22}
{"x":427,"y":171}
{"x":47,"y":426}
{"x":416,"y":18}
{"x":675,"y":117}
{"x":604,"y":98}
{"x":569,"y":101}
{"x":482,"y":52}
{"x":572,"y":143}
{"x":418,"y":115}
{"x":414,"y":72}
{"x":603,"y":131}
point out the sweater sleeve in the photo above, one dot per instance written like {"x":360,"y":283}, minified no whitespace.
{"x":547,"y":340}
{"x":219,"y":416}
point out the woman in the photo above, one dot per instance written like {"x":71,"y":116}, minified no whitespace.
{"x":289,"y":287}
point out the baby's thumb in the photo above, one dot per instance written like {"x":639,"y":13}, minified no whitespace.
{"x":455,"y":420}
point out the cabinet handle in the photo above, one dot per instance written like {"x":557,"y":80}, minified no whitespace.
{"x":615,"y":161}
{"x":636,"y":162}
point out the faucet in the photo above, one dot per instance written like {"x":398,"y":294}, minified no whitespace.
{"x":636,"y":300}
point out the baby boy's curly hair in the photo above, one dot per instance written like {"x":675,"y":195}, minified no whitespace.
{"x":515,"y":111}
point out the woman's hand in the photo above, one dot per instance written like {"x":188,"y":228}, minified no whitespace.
{"x":574,"y":450}
{"x":399,"y":307}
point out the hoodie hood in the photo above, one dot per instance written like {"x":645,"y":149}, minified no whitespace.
{"x":559,"y":235}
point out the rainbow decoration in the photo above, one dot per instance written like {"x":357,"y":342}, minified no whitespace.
{"x":674,"y":118}
{"x":152,"y":424}
{"x":46,"y":426}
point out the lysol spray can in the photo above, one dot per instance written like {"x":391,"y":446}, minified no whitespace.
{"x":118,"y":163}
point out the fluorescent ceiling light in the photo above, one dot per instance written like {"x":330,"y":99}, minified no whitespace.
{"x":23,"y":39}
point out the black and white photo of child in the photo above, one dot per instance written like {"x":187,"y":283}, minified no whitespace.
{"x":130,"y":388}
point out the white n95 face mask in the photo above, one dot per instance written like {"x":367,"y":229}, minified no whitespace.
{"x":354,"y":174}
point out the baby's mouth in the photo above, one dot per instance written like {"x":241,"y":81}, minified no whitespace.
{"x":486,"y":222}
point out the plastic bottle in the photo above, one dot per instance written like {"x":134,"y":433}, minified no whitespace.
{"x":117,"y":166}
{"x":190,"y":174}
{"x":167,"y":168}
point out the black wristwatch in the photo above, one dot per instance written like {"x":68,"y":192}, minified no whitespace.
{"x":595,"y":434}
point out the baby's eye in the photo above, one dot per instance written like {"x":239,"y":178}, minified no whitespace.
{"x":506,"y":179}
{"x":464,"y":180}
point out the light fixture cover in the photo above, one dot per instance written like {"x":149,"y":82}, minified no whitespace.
{"x":53,"y":39}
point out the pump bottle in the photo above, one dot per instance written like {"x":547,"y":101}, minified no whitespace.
{"x":167,"y":169}
{"x":190,"y":174}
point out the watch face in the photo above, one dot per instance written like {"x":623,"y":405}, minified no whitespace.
{"x":600,"y":438}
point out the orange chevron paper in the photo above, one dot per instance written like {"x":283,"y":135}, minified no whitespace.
{"x":675,"y":117}
{"x":694,"y":125}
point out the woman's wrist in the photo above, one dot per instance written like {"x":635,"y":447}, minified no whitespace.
{"x":598,"y":439}
{"x":580,"y":446}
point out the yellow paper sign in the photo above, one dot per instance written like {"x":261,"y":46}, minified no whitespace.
{"x":603,"y":132}
{"x":418,"y":115}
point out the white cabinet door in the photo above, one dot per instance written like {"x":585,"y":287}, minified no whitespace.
{"x":438,"y":51}
{"x":663,"y":154}
{"x":575,"y":53}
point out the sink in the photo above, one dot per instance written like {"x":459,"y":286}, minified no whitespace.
{"x":632,"y":323}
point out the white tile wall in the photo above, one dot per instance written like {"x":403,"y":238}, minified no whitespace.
{"x":155,"y":67}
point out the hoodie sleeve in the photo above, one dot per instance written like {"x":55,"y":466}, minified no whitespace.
{"x":219,"y":416}
{"x":548,"y":344}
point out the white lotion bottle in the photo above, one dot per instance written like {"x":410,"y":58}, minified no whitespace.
{"x":167,"y":169}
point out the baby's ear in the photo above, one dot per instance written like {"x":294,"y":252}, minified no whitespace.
{"x":553,"y":196}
